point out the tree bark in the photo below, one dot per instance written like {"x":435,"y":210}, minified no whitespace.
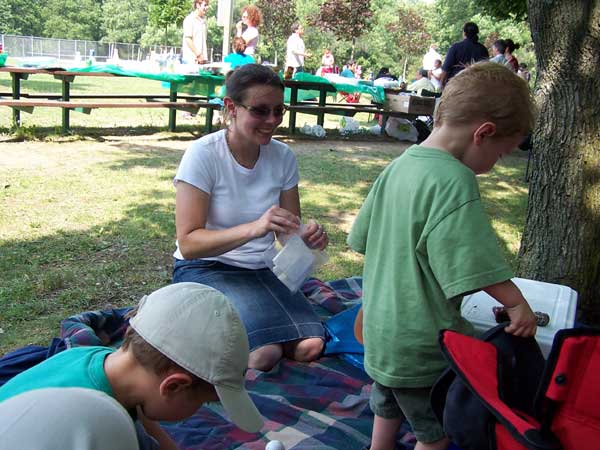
{"x":561,"y":240}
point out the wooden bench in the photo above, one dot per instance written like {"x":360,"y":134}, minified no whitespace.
{"x":26,"y":102}
{"x":27,"y":105}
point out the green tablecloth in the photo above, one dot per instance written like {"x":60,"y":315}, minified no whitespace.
{"x":203,"y":83}
{"x":209,"y":85}
{"x":377,"y":93}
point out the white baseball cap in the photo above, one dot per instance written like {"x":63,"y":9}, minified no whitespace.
{"x":65,"y":419}
{"x":196,"y":327}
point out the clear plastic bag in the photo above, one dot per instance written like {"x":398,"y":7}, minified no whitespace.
{"x":292,"y":261}
{"x":401,"y":129}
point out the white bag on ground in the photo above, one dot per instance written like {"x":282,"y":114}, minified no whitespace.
{"x":349,"y":125}
{"x":401,"y":129}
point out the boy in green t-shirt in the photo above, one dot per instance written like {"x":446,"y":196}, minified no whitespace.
{"x":185,"y":346}
{"x":427,"y":242}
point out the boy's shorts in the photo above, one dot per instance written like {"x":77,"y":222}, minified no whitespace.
{"x":413,"y":404}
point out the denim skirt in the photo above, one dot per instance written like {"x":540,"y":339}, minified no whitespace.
{"x":270,"y":312}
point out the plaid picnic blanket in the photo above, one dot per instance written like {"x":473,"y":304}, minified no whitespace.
{"x":323,"y":405}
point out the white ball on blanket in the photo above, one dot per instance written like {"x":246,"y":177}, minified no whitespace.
{"x":275,"y":445}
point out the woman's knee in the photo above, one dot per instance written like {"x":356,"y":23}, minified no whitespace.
{"x":265,"y":358}
{"x":308,"y":349}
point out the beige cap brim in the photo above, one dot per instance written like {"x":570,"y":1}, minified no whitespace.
{"x":240,"y":408}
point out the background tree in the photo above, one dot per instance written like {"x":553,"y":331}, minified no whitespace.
{"x":20,"y":17}
{"x":124,"y":20}
{"x":278,"y":17}
{"x":409,"y":35}
{"x":72,"y":19}
{"x":163,"y":14}
{"x":561,"y":241}
{"x":346,"y":19}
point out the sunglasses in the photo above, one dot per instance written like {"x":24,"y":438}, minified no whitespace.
{"x":262,"y":112}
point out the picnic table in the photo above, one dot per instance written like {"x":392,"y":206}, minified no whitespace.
{"x":305,"y":93}
{"x":204,"y":85}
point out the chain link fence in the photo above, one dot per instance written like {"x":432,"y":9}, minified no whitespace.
{"x":73,"y":49}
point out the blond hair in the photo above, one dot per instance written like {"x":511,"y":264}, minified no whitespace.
{"x":487,"y":91}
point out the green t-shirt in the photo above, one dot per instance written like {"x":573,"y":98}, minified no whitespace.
{"x":77,"y":367}
{"x":427,"y":241}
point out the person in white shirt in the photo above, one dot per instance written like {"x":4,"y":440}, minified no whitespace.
{"x":236,"y":189}
{"x":252,"y":18}
{"x":435,"y":75}
{"x":295,"y":49}
{"x":430,"y":57}
{"x":193,"y":46}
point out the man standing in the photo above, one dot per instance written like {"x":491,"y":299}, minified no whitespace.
{"x":193,"y":47}
{"x":295,"y":49}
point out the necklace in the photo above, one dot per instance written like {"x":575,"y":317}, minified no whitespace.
{"x":248,"y":164}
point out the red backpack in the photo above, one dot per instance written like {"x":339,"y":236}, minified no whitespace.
{"x":500,"y":394}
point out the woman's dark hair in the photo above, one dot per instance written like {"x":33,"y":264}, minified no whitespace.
{"x":511,"y":46}
{"x":247,"y":76}
{"x":500,"y":45}
{"x":471,"y":30}
{"x":295,"y":26}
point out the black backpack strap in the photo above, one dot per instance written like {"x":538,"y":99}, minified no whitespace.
{"x":476,"y":365}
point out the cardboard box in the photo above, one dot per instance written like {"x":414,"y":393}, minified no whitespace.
{"x":559,"y":302}
{"x":410,"y":104}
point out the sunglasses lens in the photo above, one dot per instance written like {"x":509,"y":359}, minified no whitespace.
{"x":261,"y":113}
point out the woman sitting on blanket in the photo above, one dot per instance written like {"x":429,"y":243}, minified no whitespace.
{"x":236,"y":188}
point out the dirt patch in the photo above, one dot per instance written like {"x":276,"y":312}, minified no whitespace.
{"x":31,"y":154}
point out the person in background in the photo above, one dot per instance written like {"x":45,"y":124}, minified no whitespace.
{"x":296,"y":51}
{"x":427,"y":242}
{"x":430,"y":57}
{"x":348,"y":70}
{"x":358,"y":71}
{"x":65,"y":419}
{"x":251,"y":18}
{"x":193,"y":46}
{"x":237,"y":57}
{"x":524,"y":72}
{"x":436,"y":74}
{"x":511,"y":60}
{"x":327,"y":62}
{"x":236,"y":189}
{"x":422,"y":82}
{"x":384,"y":72}
{"x":185,"y":346}
{"x":462,"y":53}
{"x":498,"y":49}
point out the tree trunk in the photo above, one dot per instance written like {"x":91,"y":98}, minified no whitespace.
{"x":561,"y":240}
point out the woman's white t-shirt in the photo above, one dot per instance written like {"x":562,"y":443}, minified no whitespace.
{"x":237,"y":194}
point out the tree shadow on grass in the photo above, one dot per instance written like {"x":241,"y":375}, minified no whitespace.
{"x":112,"y":263}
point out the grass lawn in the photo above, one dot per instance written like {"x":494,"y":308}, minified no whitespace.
{"x":86,"y":225}
{"x":87,"y":222}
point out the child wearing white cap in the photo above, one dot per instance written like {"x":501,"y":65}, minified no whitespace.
{"x":185,"y":346}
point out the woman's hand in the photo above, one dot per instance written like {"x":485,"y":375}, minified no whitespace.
{"x":238,"y":26}
{"x":276,"y":219}
{"x":315,"y":236}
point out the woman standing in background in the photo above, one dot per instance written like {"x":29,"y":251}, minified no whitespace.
{"x":511,"y":61}
{"x":252,"y":18}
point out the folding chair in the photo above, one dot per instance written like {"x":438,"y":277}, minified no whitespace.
{"x":500,"y":395}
